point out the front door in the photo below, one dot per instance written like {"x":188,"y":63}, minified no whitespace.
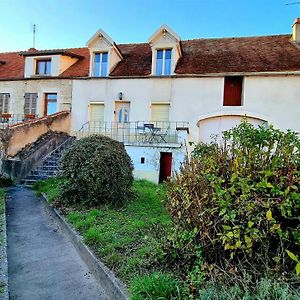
{"x":165,"y":166}
{"x":122,"y":125}
{"x":122,"y":112}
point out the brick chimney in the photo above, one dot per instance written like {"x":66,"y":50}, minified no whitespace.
{"x":296,"y":31}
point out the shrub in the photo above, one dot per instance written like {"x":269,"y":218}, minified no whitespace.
{"x":5,"y":181}
{"x":97,"y":170}
{"x":241,"y":201}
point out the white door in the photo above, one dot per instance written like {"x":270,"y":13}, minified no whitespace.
{"x":122,"y":125}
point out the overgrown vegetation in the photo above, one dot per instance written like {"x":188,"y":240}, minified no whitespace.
{"x":238,"y":203}
{"x":97,"y":170}
{"x":5,"y":181}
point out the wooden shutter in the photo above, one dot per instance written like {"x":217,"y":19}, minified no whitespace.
{"x":96,"y":112}
{"x":4,"y":103}
{"x":160,"y":112}
{"x":233,"y":87}
{"x":30,"y":103}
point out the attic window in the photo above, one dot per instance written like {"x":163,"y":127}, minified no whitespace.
{"x":100,"y":64}
{"x":163,"y":62}
{"x":43,"y":67}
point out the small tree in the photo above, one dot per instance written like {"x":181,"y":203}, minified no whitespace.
{"x":241,"y":200}
{"x":97,"y":170}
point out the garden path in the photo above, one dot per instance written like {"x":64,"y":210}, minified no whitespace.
{"x":42,"y":262}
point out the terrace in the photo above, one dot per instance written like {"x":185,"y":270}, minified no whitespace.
{"x":137,"y":133}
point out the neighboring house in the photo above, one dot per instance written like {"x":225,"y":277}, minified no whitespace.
{"x":158,"y":96}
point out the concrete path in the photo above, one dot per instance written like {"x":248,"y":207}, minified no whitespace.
{"x":42,"y":262}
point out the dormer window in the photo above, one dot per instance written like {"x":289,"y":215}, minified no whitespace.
{"x":163,"y":62}
{"x":166,"y":51}
{"x":43,"y":67}
{"x":100,"y":64}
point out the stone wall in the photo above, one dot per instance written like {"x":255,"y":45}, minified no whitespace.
{"x":28,"y":132}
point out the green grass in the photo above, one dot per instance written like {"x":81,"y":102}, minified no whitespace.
{"x":129,"y":239}
{"x":50,"y":187}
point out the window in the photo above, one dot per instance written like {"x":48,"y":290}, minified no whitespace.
{"x":233,"y":87}
{"x":50,"y":104}
{"x":100,"y":64}
{"x":163,"y":62}
{"x":160,"y":112}
{"x":43,"y":67}
{"x":30,"y":103}
{"x":4,"y":103}
{"x":96,"y":112}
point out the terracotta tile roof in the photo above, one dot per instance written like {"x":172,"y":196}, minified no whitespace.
{"x":13,"y":67}
{"x":136,"y":62}
{"x":200,"y":56}
{"x":250,"y":54}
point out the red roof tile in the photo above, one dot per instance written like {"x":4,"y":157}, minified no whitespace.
{"x":199,"y":56}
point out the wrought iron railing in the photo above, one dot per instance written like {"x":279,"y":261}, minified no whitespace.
{"x":139,"y":132}
{"x":7,"y":119}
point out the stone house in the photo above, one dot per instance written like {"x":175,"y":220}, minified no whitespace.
{"x":157,"y":96}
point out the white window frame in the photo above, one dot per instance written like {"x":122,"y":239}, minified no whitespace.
{"x":100,"y":63}
{"x":163,"y":61}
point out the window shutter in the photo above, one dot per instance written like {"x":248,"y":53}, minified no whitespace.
{"x":160,"y":112}
{"x":30,"y":103}
{"x":4,"y":103}
{"x":96,"y":112}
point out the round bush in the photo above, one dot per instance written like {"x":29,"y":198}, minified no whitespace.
{"x":98,"y":170}
{"x":241,"y":201}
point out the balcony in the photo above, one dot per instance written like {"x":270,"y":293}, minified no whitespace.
{"x":138,"y":133}
{"x":7,"y":119}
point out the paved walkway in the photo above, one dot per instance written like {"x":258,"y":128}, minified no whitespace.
{"x":42,"y":262}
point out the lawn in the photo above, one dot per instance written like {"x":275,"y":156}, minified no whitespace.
{"x":129,"y":239}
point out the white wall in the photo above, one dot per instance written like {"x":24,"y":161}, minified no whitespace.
{"x":59,"y":63}
{"x":150,"y":169}
{"x":272,"y":99}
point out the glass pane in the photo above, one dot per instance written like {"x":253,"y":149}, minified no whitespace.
{"x":51,"y":107}
{"x":97,"y":58}
{"x":159,"y":54}
{"x":40,"y":67}
{"x":120,"y":115}
{"x":159,"y":62}
{"x":168,"y":53}
{"x":167,"y":66}
{"x":48,"y":67}
{"x":52,"y":97}
{"x":104,"y":69}
{"x":104,"y":57}
{"x":97,"y":65}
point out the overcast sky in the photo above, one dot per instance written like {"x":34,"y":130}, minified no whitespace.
{"x":70,"y":23}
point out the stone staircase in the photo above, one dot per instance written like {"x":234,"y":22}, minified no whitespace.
{"x":49,"y":166}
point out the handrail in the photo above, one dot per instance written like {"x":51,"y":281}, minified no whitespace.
{"x":58,"y":147}
{"x":141,"y":132}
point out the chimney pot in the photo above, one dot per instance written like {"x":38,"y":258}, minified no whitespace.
{"x":296,"y":30}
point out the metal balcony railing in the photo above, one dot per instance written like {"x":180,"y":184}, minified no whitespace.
{"x":7,"y":119}
{"x":139,"y":132}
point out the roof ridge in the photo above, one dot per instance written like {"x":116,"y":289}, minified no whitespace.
{"x":237,"y":37}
